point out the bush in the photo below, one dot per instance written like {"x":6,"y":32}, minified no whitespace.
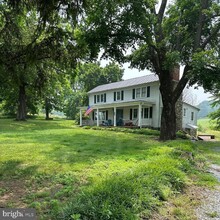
{"x":144,"y":131}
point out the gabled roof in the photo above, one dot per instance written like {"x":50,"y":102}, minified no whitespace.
{"x":126,"y":83}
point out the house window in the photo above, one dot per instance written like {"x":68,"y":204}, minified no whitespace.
{"x":144,"y":112}
{"x":103,"y":115}
{"x":119,"y":95}
{"x":143,"y":92}
{"x":135,"y":113}
{"x":192,"y":116}
{"x":138,"y":93}
{"x":147,"y":112}
{"x":100,"y":98}
{"x":184,"y":112}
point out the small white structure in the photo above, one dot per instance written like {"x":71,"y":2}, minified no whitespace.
{"x":134,"y":102}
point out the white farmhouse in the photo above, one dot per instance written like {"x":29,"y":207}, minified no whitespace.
{"x":134,"y":102}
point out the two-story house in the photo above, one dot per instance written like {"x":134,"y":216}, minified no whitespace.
{"x":134,"y":101}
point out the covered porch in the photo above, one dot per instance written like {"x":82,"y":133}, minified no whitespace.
{"x":133,"y":113}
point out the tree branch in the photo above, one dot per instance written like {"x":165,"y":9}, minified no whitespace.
{"x":181,"y":85}
{"x":162,"y":10}
{"x":200,"y":24}
{"x":211,"y":36}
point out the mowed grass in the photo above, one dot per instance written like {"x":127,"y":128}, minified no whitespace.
{"x":211,"y":150}
{"x":67,"y":172}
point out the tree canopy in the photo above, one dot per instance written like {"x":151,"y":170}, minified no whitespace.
{"x":87,"y":77}
{"x":30,"y":39}
{"x":159,"y":37}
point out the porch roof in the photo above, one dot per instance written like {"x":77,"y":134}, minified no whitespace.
{"x":119,"y":104}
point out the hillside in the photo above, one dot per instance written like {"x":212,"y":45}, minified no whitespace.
{"x":205,"y":109}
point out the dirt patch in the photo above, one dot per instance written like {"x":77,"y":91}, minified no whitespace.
{"x":12,"y":194}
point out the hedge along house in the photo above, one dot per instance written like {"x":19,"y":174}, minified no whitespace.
{"x":134,"y":102}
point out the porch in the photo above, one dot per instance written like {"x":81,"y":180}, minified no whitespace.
{"x":128,"y":114}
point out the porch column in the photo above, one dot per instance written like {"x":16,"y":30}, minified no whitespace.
{"x":80,"y":117}
{"x":97,"y":117}
{"x":139,"y":115}
{"x":114,"y":114}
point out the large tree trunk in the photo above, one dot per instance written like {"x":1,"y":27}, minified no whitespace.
{"x":168,"y":117}
{"x":171,"y":89}
{"x":47,"y":109}
{"x":168,"y":122}
{"x":22,"y":112}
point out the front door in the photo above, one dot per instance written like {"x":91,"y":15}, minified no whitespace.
{"x":119,"y":117}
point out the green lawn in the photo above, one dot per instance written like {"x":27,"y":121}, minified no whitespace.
{"x":210,"y":149}
{"x":67,"y":172}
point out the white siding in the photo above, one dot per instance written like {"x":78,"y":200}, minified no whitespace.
{"x":128,"y":96}
{"x":187,"y":118}
{"x":154,"y":93}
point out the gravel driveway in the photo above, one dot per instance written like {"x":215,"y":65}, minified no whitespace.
{"x":210,"y":207}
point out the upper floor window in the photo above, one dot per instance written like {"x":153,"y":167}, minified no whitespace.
{"x":119,"y":95}
{"x":138,"y":93}
{"x":192,"y":116}
{"x":100,"y":98}
{"x":142,"y":92}
{"x":184,"y":112}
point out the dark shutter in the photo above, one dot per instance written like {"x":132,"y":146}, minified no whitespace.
{"x":114,"y":96}
{"x":131,"y":114}
{"x":151,"y":112}
{"x":133,"y":94}
{"x":148,"y":91}
{"x":93,"y":115}
{"x":104,"y":97}
{"x":94,"y":98}
{"x":106,"y":114}
{"x":122,"y":95}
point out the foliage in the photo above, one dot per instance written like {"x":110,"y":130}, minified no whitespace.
{"x":87,"y":77}
{"x":73,"y":101}
{"x":31,"y":50}
{"x":159,"y":37}
{"x":215,"y":115}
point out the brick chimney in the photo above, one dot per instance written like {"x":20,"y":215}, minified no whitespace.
{"x":176,"y":73}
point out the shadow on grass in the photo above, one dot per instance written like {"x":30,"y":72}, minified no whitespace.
{"x":13,"y":169}
{"x":86,"y":148}
{"x":11,"y":125}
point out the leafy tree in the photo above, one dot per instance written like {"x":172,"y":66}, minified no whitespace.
{"x":56,"y":88}
{"x":88,"y":76}
{"x":27,"y":41}
{"x":215,"y":103}
{"x":159,"y":37}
